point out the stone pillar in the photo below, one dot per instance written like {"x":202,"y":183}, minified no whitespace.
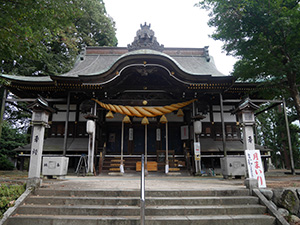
{"x":41,"y":112}
{"x":248,"y":137}
{"x":245,"y":112}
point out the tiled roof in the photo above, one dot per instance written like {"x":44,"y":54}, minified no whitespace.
{"x":28,"y":78}
{"x":96,"y":64}
{"x":99,"y":60}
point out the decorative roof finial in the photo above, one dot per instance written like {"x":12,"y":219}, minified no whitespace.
{"x":206,"y":53}
{"x":145,"y":39}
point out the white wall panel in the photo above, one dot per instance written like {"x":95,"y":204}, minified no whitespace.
{"x":61,"y":116}
{"x":228,"y":117}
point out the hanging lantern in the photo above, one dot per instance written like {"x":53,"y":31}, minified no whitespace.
{"x":126,"y":119}
{"x":163,"y":119}
{"x":109,"y":115}
{"x":180,"y":113}
{"x":145,"y":121}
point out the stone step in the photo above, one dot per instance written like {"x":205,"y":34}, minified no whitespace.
{"x":60,"y":200}
{"x":136,"y":193}
{"x":135,"y":220}
{"x":87,"y":193}
{"x":47,"y":206}
{"x":135,"y":210}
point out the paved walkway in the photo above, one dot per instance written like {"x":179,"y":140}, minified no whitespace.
{"x":156,"y":181}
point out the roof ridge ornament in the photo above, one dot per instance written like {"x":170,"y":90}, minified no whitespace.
{"x":206,"y":53}
{"x":145,"y":39}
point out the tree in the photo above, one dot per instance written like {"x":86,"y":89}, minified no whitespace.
{"x":264,"y":36}
{"x":44,"y":37}
{"x":11,"y":138}
{"x":271,"y":132}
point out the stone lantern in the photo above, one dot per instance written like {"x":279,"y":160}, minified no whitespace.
{"x":236,"y":165}
{"x":41,"y":111}
{"x":245,"y":114}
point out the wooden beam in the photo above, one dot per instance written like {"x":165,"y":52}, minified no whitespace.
{"x":33,"y":99}
{"x":252,"y":100}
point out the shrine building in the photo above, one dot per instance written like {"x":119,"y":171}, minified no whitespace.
{"x":141,"y":99}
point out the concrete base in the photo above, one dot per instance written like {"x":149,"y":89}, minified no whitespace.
{"x":251,"y":184}
{"x":33,"y":182}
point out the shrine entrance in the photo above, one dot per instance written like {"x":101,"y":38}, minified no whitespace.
{"x":134,"y":138}
{"x":144,"y":130}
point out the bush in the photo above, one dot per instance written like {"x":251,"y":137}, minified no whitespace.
{"x":5,"y":163}
{"x":8,"y":195}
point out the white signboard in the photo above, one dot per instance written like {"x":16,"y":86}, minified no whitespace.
{"x":197,"y":150}
{"x":184,"y":132}
{"x":255,"y":168}
{"x":130,"y":134}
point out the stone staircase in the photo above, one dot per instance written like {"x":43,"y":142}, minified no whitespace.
{"x":97,"y":207}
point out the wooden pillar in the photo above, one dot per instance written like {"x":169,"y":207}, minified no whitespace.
{"x":2,"y":110}
{"x":289,"y":138}
{"x":67,"y":125}
{"x":167,"y":150}
{"x":223,"y":126}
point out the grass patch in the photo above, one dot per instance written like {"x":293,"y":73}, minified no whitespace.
{"x":13,"y":175}
{"x":9,"y":193}
{"x":13,"y":184}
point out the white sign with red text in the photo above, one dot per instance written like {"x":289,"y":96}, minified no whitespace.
{"x":184,"y":132}
{"x":255,"y":168}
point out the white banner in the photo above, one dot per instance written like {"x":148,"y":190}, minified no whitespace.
{"x":255,"y":168}
{"x":158,"y":134}
{"x":197,"y":151}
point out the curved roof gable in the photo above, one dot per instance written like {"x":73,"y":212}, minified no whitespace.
{"x":97,"y":61}
{"x":97,"y":64}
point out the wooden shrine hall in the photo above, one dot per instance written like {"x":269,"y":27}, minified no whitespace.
{"x":120,"y":102}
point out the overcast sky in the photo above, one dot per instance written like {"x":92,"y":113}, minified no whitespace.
{"x":176,"y":23}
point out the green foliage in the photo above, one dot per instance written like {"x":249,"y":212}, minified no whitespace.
{"x":8,"y":195}
{"x":11,"y":138}
{"x":264,"y":35}
{"x":5,"y":163}
{"x":45,"y":37}
{"x":272,"y":133}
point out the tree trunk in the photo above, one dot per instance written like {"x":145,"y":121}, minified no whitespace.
{"x":293,"y":89}
{"x":296,"y":97}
